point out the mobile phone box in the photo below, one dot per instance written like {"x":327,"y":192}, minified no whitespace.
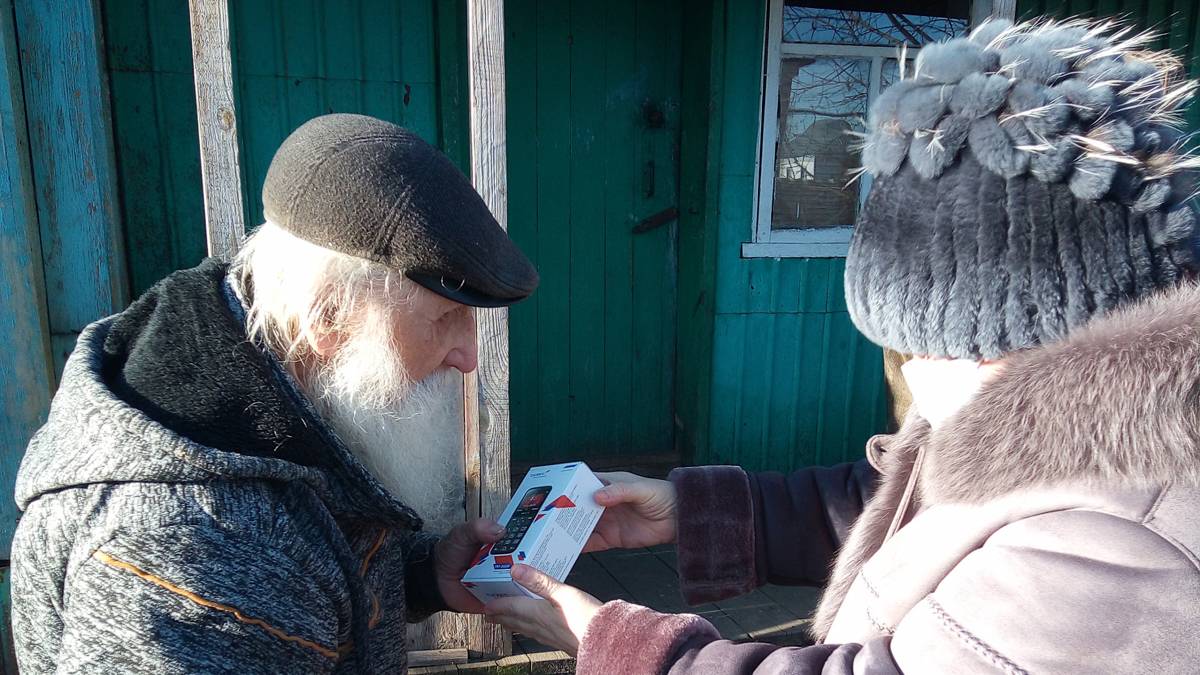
{"x":561,"y":513}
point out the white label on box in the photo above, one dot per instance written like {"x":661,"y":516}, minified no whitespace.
{"x":549,"y":519}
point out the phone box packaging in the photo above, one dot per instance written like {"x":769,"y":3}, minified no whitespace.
{"x":547,"y":521}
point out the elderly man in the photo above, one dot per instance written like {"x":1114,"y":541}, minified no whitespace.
{"x":234,"y":471}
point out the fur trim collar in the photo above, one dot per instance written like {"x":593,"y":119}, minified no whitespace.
{"x":1117,"y":401}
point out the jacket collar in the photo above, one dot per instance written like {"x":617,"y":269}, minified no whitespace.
{"x":1118,"y":401}
{"x":180,"y":355}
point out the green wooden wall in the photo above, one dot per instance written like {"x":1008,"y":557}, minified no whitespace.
{"x":792,"y":382}
{"x":293,"y":60}
{"x":593,"y":351}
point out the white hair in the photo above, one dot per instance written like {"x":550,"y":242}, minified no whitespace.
{"x":406,"y":433}
{"x":298,"y":289}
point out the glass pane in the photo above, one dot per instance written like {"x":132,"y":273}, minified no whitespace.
{"x":890,"y":72}
{"x":822,"y":101}
{"x":880,"y":29}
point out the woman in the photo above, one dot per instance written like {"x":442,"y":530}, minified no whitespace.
{"x":1038,"y":510}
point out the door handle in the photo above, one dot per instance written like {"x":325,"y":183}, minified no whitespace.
{"x":656,"y":221}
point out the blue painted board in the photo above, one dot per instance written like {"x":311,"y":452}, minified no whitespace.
{"x":70,"y":138}
{"x":26,"y":377}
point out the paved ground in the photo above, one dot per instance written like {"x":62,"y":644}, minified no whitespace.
{"x":775,"y":614}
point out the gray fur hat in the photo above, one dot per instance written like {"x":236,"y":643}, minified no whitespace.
{"x":1026,"y":178}
{"x":371,"y":189}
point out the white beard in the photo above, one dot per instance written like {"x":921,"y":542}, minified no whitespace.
{"x":414,"y":448}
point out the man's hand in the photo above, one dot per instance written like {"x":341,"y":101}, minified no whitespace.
{"x":454,"y":554}
{"x":559,"y":620}
{"x":638,"y":512}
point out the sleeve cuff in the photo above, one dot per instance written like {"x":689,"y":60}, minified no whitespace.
{"x":606,"y":646}
{"x":422,"y":595}
{"x":715,"y":538}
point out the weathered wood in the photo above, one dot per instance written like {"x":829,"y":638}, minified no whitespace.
{"x":486,"y":390}
{"x":983,"y":9}
{"x":72,"y":164}
{"x":215,"y":114}
{"x":26,"y":367}
{"x":436,"y":657}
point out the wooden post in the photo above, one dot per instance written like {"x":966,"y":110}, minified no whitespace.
{"x":219,"y":170}
{"x":486,"y":390}
{"x":26,"y":366}
{"x":984,"y":9}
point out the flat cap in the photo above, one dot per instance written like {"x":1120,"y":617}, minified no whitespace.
{"x":372,"y":189}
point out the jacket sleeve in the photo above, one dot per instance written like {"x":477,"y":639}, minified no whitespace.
{"x":187,"y":599}
{"x":739,"y":530}
{"x":685,"y":644}
{"x":421,"y":592}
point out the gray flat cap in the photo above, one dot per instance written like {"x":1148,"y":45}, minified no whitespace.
{"x":372,"y":189}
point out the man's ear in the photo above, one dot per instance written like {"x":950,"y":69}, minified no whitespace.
{"x":323,"y":339}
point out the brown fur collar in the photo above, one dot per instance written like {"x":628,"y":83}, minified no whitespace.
{"x":1117,"y":401}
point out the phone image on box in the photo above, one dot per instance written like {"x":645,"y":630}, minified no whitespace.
{"x":518,"y":524}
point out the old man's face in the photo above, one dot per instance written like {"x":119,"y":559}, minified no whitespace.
{"x":392,"y":391}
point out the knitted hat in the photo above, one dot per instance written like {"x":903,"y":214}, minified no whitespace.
{"x":1025,"y":178}
{"x":368,"y":188}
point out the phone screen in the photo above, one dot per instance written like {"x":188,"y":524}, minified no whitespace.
{"x":519,"y":522}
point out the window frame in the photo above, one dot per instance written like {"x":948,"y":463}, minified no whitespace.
{"x":826,"y":242}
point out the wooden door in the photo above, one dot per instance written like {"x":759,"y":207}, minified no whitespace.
{"x":593,"y":137}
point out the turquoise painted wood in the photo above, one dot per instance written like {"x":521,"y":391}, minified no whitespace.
{"x":148,"y":55}
{"x":404,"y":61}
{"x":69,"y":123}
{"x":793,"y":383}
{"x":297,"y":59}
{"x":593,"y":350}
{"x":26,"y":367}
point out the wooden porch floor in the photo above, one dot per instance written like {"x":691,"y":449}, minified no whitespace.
{"x":776,"y":614}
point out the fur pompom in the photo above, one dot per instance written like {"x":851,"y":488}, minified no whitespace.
{"x":1152,"y":197}
{"x":1116,"y":133}
{"x":887,"y":105}
{"x":932,"y":151}
{"x":979,"y":95}
{"x":1030,"y":60}
{"x":949,"y":62}
{"x":1178,"y":225}
{"x":1053,"y":163}
{"x":884,"y":152}
{"x":1039,"y":107}
{"x":994,"y":150}
{"x":1092,"y":178}
{"x":989,"y":30}
{"x":922,"y":107}
{"x":1088,"y":100}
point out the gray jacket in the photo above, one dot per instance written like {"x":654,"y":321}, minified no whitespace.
{"x":185,"y":511}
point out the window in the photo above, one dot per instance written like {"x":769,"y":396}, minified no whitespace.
{"x":822,"y":67}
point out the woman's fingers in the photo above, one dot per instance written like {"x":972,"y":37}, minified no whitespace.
{"x":536,"y":581}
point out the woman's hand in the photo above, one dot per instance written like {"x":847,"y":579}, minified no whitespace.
{"x":638,"y":512}
{"x":454,"y":554}
{"x":558,"y":620}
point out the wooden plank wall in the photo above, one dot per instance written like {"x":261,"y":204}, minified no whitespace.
{"x":26,"y":374}
{"x":793,"y":383}
{"x":69,"y":121}
{"x":593,"y":349}
{"x":149,"y":61}
{"x":298,"y":59}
